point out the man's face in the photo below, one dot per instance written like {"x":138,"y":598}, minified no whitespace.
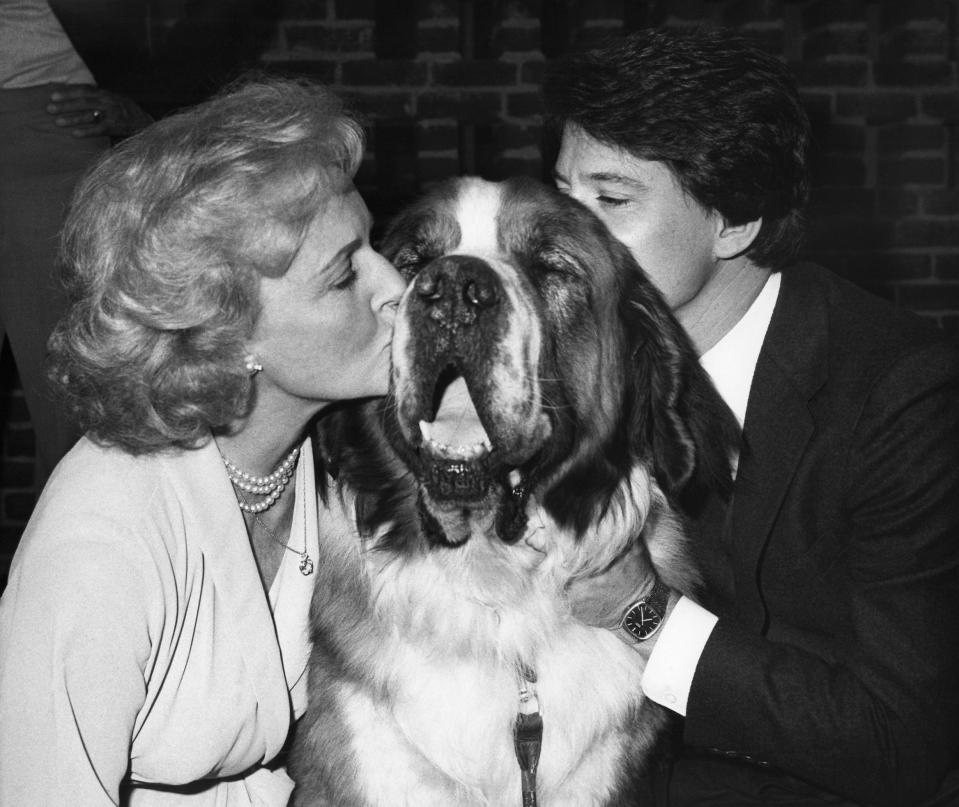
{"x":671,"y":236}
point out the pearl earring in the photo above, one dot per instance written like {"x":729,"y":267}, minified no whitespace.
{"x":253,"y":366}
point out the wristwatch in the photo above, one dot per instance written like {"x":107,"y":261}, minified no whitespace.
{"x":644,"y":617}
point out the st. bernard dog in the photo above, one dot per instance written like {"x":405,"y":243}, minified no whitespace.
{"x":546,"y":416}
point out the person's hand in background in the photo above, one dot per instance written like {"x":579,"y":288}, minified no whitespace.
{"x":89,"y":111}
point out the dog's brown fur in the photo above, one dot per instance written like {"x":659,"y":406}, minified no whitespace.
{"x":442,"y":576}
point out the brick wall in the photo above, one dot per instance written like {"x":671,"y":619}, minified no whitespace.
{"x":16,"y":461}
{"x":451,"y":86}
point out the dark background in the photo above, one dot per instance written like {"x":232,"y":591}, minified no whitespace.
{"x":451,"y":86}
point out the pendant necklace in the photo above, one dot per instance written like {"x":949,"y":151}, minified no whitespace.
{"x":271,"y":487}
{"x":306,"y":562}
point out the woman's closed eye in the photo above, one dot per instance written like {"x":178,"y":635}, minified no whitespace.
{"x":347,"y":278}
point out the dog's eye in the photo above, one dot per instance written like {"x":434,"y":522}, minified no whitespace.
{"x":558,"y":265}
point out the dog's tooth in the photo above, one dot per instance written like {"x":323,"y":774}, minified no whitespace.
{"x":461,"y":451}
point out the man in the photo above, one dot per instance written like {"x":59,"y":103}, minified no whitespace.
{"x":823,"y":667}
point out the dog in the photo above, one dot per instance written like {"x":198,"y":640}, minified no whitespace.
{"x":546,"y":416}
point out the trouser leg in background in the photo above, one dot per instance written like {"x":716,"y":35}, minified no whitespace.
{"x":40,"y":164}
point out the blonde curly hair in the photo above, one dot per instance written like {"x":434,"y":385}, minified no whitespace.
{"x":163,"y":247}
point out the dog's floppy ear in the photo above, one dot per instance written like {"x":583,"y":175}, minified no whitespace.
{"x":676,"y":414}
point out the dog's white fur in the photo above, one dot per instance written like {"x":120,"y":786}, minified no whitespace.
{"x":427,"y":727}
{"x":421,"y":655}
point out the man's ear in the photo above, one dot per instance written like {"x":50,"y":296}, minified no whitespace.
{"x":735,"y":239}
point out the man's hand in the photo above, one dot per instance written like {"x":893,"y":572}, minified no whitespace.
{"x":600,"y":600}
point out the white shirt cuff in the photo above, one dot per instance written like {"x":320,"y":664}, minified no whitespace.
{"x":669,"y":671}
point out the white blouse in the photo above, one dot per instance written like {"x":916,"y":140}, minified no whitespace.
{"x":141,"y":662}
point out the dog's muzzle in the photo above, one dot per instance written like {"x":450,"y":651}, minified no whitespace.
{"x":451,"y":313}
{"x":467,"y":402}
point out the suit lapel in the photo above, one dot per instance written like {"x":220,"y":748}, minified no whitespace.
{"x":792,"y":366}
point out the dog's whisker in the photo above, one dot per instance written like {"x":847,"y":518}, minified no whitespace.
{"x":556,"y":407}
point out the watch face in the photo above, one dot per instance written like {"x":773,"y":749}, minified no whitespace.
{"x":642,"y":620}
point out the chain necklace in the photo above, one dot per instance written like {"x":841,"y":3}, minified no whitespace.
{"x":306,"y":562}
{"x":271,"y":486}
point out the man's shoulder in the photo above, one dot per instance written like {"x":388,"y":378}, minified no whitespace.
{"x":855,"y":321}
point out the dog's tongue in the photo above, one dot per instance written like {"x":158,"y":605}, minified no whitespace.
{"x":456,"y":422}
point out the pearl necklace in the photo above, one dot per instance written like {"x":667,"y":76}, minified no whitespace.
{"x":270,"y":486}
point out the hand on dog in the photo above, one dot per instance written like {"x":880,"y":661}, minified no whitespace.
{"x":600,"y":600}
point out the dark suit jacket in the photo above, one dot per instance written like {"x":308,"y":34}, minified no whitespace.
{"x":835,"y":572}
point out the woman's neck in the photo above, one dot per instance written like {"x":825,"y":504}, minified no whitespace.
{"x":260,"y":442}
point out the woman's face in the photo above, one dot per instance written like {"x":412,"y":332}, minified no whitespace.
{"x":325,"y":325}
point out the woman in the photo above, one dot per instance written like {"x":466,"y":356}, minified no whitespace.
{"x":225,"y":292}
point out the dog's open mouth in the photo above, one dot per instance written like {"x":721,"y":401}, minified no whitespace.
{"x":455,"y":449}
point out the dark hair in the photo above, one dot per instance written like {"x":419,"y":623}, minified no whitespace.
{"x":725,"y":116}
{"x":163,"y":248}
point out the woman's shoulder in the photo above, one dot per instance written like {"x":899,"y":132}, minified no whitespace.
{"x":101,"y":493}
{"x":102,"y":477}
{"x":123,"y":528}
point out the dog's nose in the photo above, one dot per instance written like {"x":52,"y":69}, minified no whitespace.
{"x":457,"y":288}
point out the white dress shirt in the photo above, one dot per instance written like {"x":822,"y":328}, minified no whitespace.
{"x":731,"y":363}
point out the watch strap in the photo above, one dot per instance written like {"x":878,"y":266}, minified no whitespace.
{"x":658,"y":598}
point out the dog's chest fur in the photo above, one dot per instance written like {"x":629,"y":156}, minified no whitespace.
{"x":424,"y":690}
